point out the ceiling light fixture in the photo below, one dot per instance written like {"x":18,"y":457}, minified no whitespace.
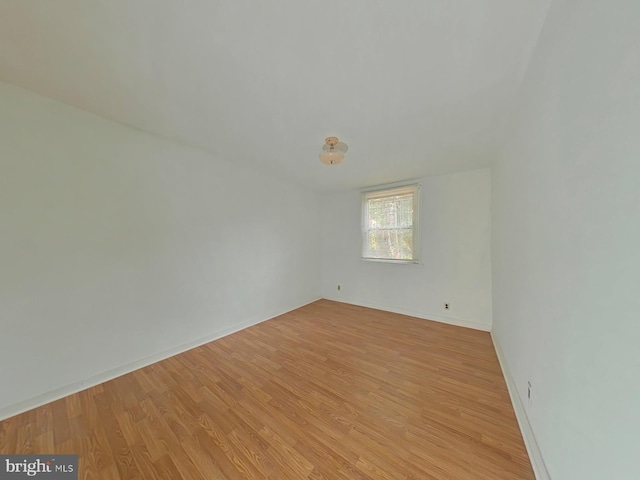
{"x":333,"y":151}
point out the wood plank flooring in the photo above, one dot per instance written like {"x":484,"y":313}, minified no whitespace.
{"x":329,"y":391}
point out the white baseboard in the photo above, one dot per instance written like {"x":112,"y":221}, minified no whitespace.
{"x":53,"y":395}
{"x":426,"y":316}
{"x":537,"y":462}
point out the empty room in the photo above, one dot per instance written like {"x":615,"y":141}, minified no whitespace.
{"x":291,"y":240}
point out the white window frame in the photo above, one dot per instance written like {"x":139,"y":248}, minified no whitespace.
{"x":391,"y":191}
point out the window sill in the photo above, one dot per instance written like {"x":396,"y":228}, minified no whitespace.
{"x":391,"y":261}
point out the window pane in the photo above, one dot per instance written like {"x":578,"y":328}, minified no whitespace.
{"x":395,"y":244}
{"x":391,"y":212}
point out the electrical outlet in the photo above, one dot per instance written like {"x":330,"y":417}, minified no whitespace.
{"x":338,"y":287}
{"x":447,"y":306}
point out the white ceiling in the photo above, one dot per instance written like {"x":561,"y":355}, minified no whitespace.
{"x":415,"y":87}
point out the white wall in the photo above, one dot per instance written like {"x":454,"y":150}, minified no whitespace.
{"x":117,"y":247}
{"x":566,"y":241}
{"x":456,"y":258}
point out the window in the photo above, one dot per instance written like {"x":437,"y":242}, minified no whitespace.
{"x":390,"y":224}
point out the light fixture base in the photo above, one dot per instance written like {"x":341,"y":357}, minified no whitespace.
{"x":331,"y":159}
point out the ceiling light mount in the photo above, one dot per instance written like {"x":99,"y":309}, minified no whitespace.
{"x":333,"y":151}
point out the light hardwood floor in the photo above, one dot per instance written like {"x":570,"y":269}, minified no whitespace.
{"x":328,"y":391}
